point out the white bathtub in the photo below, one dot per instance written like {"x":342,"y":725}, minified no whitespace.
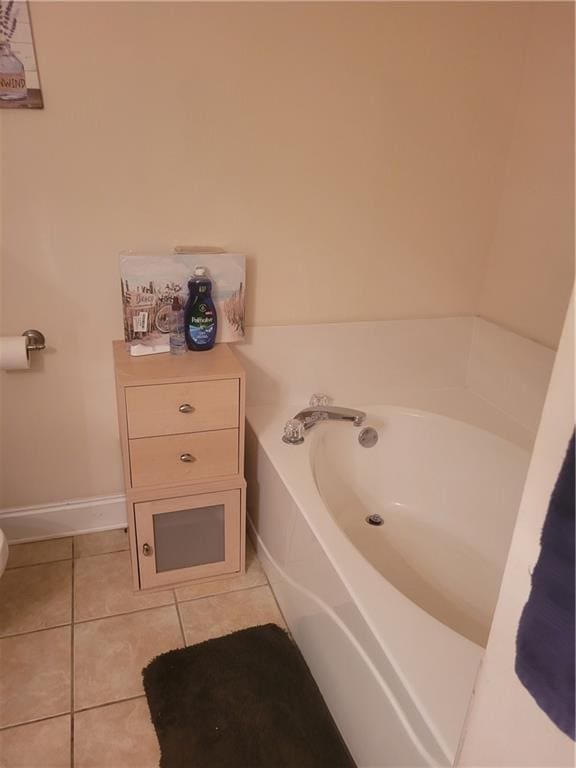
{"x":391,"y":619}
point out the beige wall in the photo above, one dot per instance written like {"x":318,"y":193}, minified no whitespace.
{"x":531,"y":261}
{"x":356,"y":152}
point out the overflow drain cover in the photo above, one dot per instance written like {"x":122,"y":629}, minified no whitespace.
{"x":368,"y":437}
{"x":374,"y":520}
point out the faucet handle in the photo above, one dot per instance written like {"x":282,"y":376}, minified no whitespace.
{"x":319,"y":400}
{"x":293,"y":432}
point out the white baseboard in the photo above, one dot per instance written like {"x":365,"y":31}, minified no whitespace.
{"x":68,"y":518}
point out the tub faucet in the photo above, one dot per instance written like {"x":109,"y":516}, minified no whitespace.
{"x":307,"y":417}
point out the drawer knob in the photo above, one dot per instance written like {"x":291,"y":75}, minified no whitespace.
{"x":147,"y":549}
{"x":187,"y":458}
{"x":186,"y":408}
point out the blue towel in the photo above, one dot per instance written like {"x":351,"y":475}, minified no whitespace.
{"x":545,"y":642}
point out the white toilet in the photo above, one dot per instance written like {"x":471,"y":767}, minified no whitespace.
{"x":3,"y":552}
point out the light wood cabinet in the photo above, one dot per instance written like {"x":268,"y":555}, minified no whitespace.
{"x":181,"y":421}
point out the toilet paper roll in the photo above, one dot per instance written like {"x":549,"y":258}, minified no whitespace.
{"x":14,"y":355}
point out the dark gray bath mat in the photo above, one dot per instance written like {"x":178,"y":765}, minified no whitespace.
{"x":246,"y":700}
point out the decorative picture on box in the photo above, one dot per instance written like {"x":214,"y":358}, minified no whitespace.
{"x":19,"y":82}
{"x":150,"y":282}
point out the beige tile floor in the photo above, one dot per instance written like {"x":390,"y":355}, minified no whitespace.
{"x":74,"y":638}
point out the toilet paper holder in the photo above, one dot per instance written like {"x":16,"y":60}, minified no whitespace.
{"x":34,"y":340}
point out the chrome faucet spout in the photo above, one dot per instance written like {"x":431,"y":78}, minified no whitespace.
{"x":313,"y":414}
{"x":310,"y":416}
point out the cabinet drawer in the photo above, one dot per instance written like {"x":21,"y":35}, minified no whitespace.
{"x":172,"y":409}
{"x":180,"y":459}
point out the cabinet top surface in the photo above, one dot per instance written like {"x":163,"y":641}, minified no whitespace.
{"x":217,"y":363}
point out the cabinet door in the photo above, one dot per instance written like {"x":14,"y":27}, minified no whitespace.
{"x":190,"y":537}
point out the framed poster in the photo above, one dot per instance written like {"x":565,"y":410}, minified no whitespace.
{"x":19,"y":82}
{"x":149,"y":283}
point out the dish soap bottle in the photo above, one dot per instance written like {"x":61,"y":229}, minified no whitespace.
{"x":200,"y":320}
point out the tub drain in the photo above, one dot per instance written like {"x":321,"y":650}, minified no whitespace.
{"x":374,"y":520}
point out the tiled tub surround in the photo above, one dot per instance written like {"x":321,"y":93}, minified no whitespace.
{"x":448,"y":364}
{"x":509,"y":371}
{"x":74,"y":638}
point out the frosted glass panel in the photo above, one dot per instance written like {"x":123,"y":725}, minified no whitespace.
{"x":189,"y":537}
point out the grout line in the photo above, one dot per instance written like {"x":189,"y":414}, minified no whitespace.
{"x":35,"y":565}
{"x":504,"y":413}
{"x":110,"y":703}
{"x":34,"y":631}
{"x":36,"y":720}
{"x":124,"y":613}
{"x":167,"y":605}
{"x":64,"y":559}
{"x":101,"y":554}
{"x":179,"y":618}
{"x":226,"y":592}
